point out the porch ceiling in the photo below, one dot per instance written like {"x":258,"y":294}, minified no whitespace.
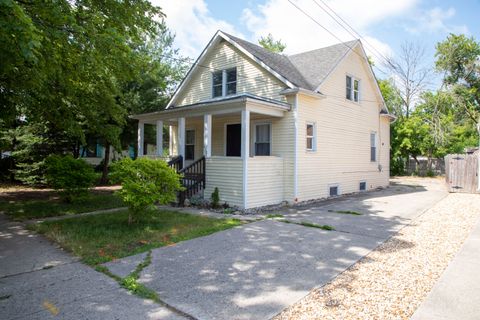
{"x":228,"y":105}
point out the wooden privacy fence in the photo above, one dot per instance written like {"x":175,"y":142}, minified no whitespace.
{"x":461,"y":172}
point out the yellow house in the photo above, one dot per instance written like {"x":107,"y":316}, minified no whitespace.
{"x":266,"y":128}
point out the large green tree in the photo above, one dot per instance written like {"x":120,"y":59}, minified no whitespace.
{"x":67,"y":66}
{"x":458,"y":57}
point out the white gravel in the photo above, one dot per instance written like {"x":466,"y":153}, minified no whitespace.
{"x":393,"y":280}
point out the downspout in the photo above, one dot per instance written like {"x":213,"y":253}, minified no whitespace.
{"x":295,"y":144}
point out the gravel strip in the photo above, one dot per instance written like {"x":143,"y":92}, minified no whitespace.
{"x":392,"y":281}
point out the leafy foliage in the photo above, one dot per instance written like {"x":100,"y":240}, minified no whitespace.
{"x":145,"y":182}
{"x":76,"y":69}
{"x":269,"y":43}
{"x":73,"y":177}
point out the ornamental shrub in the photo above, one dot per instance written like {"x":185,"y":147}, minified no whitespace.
{"x":72,"y":177}
{"x":145,"y":182}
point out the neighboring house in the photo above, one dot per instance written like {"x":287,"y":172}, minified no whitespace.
{"x":94,"y":153}
{"x":276,"y":128}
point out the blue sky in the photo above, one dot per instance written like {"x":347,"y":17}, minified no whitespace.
{"x":385,"y":24}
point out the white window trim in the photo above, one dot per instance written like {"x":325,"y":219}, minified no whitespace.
{"x":366,"y":186}
{"x":225,"y":137}
{"x":194,"y":142}
{"x":352,"y":90}
{"x":375,"y":145}
{"x":224,"y":81}
{"x":253,"y":135}
{"x":339,"y":191}
{"x":314,"y":137}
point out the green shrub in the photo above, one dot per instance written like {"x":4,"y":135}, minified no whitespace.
{"x":144,"y":183}
{"x":215,"y":197}
{"x":430,"y":173}
{"x":72,"y":177}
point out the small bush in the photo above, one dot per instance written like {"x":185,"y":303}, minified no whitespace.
{"x":215,"y":197}
{"x":430,"y":173}
{"x":144,"y":183}
{"x":72,"y":177}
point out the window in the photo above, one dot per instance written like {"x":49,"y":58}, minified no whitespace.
{"x":217,"y":84}
{"x":373,"y":146}
{"x":363,"y":186}
{"x":224,"y":82}
{"x":190,"y":145}
{"x":352,"y":89}
{"x":333,"y":191}
{"x":231,"y":84}
{"x":310,"y":135}
{"x":262,"y":139}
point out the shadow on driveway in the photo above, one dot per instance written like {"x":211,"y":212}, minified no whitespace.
{"x":256,"y":270}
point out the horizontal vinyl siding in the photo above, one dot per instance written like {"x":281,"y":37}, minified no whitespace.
{"x":265,"y":181}
{"x":251,"y":78}
{"x":227,"y":175}
{"x":343,"y":130}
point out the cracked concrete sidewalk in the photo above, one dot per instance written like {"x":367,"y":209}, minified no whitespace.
{"x":38,"y":280}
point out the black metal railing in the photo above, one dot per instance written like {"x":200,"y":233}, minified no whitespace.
{"x":176,"y":163}
{"x":193,"y":180}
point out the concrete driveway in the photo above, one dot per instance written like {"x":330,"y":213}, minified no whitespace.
{"x":256,"y":270}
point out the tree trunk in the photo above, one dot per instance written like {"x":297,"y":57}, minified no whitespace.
{"x":106,"y":160}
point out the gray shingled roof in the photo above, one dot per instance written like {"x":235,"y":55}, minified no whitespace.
{"x":306,"y":70}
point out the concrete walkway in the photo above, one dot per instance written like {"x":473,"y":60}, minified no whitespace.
{"x":456,"y":295}
{"x":40,"y":281}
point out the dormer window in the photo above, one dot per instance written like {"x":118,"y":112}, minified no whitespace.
{"x":224,"y":82}
{"x":353,"y":89}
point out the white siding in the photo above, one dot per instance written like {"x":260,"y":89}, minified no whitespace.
{"x":265,"y":181}
{"x":225,"y":173}
{"x":251,"y":78}
{"x":343,"y":132}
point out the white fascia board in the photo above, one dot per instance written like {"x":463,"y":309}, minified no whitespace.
{"x":306,"y":92}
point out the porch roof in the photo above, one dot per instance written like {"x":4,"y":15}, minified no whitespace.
{"x":234,"y":103}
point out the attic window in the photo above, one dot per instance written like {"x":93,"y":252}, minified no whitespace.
{"x":224,"y":82}
{"x":352,"y":89}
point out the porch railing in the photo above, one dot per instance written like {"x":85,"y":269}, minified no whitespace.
{"x":193,"y":180}
{"x":176,"y":163}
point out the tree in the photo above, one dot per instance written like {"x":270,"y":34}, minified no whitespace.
{"x":269,"y":43}
{"x":65,"y":65}
{"x":410,"y":73}
{"x":459,"y":58}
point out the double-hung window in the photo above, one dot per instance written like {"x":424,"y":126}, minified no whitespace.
{"x":310,"y":136}
{"x":352,"y":89}
{"x":263,"y":139}
{"x":373,"y":146}
{"x":190,"y":145}
{"x":224,"y":82}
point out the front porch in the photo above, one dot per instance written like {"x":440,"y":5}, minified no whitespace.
{"x":235,"y":136}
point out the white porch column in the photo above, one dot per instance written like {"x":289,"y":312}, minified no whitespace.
{"x":140,"y":137}
{"x":207,"y":135}
{"x":245,"y":152}
{"x":170,"y":140}
{"x":181,"y":138}
{"x":159,"y":138}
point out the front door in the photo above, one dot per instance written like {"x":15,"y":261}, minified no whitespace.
{"x":234,"y":140}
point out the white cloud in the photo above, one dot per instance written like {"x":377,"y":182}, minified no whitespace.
{"x":300,"y":33}
{"x":435,"y":20}
{"x":192,"y":23}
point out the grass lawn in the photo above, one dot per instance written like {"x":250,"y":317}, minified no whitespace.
{"x":33,"y":209}
{"x":101,"y":238}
